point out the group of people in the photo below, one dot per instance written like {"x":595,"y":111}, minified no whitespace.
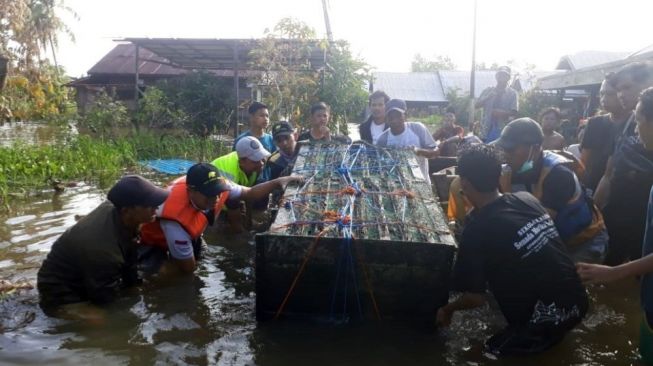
{"x":536,"y":222}
{"x":540,"y":222}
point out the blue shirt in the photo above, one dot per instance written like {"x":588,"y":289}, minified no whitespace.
{"x":266,"y":140}
{"x":647,"y":248}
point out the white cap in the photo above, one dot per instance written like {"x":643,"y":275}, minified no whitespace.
{"x":249,"y":147}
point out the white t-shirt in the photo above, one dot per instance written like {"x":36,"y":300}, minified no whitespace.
{"x":408,"y":138}
{"x":376,"y":131}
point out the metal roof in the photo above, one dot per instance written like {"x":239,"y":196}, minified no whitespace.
{"x":592,"y":75}
{"x":410,"y":86}
{"x":120,"y":60}
{"x":583,"y":59}
{"x":459,"y":81}
{"x":203,"y":53}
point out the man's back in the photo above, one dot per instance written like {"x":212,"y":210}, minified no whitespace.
{"x":90,"y":261}
{"x":512,"y":244}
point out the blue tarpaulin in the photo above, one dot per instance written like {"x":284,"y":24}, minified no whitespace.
{"x":168,"y":166}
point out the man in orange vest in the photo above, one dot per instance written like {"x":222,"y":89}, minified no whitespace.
{"x":194,"y":200}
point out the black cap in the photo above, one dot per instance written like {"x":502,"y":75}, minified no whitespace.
{"x":283,"y":128}
{"x":395,"y":105}
{"x":204,"y":178}
{"x":520,"y":132}
{"x":134,"y":190}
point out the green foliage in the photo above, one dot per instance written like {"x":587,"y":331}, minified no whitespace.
{"x":433,"y":121}
{"x":460,"y":103}
{"x":42,"y":98}
{"x":344,"y":84}
{"x":28,"y":28}
{"x":157,"y":111}
{"x":153,"y":145}
{"x":25,"y":167}
{"x":421,"y":64}
{"x":290,"y":83}
{"x":198,"y":101}
{"x":105,"y":117}
{"x":534,"y":101}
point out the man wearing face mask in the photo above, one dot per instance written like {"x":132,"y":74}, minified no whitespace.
{"x":551,"y":178}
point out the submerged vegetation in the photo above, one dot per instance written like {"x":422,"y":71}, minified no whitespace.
{"x":25,"y":168}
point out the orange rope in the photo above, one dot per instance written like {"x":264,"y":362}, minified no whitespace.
{"x":311,"y":251}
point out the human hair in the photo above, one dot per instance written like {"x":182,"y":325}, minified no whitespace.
{"x":254,"y":107}
{"x":609,"y":77}
{"x":646,"y":104}
{"x":379,"y":94}
{"x":480,"y":165}
{"x":319,"y":106}
{"x":639,"y":72}
{"x":548,"y":110}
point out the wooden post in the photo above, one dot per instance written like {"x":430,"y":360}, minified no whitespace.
{"x":236,"y":88}
{"x":472,"y":79}
{"x":136,"y":89}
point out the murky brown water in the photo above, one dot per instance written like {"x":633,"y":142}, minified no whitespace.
{"x":31,"y":133}
{"x":208,"y":318}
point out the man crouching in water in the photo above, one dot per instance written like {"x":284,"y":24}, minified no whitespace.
{"x":194,"y":201}
{"x":96,"y":258}
{"x":511,"y":246}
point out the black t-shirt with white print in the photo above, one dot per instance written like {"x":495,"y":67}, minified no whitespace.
{"x":511,"y":246}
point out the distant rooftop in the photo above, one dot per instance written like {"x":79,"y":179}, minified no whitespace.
{"x":585,"y":59}
{"x":411,"y":86}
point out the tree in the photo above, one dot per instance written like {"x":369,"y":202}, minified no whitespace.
{"x":421,"y":64}
{"x":28,"y":28}
{"x":289,"y":81}
{"x":344,"y":82}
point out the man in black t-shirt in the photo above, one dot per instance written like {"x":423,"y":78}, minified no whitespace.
{"x":510,"y":245}
{"x":319,"y":132}
{"x":602,"y":133}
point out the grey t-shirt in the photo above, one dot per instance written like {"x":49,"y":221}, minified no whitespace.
{"x":507,"y":100}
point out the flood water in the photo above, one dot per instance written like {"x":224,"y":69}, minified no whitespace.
{"x":208,"y":318}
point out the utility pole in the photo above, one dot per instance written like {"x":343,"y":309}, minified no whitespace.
{"x":472,"y":78}
{"x":327,"y":21}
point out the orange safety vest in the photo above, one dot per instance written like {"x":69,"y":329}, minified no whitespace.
{"x":177,"y":207}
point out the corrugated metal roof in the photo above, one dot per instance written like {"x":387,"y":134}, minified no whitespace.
{"x":585,"y":59}
{"x":410,"y":86}
{"x":203,"y":53}
{"x":120,"y":60}
{"x":459,"y":81}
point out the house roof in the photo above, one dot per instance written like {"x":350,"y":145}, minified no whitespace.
{"x":583,"y":59}
{"x":211,"y":54}
{"x":460,"y":80}
{"x":120,"y":61}
{"x":592,"y":75}
{"x":410,"y":86}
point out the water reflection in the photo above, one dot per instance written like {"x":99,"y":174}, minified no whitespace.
{"x":208,"y":318}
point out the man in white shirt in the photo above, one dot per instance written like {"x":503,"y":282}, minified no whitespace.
{"x":402,"y":134}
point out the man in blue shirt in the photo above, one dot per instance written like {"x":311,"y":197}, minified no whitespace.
{"x":259,"y":119}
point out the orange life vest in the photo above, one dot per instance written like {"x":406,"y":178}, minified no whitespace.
{"x":177,"y":207}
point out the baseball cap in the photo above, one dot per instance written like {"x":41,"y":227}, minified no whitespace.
{"x":249,"y":147}
{"x":504,"y":69}
{"x":204,"y":178}
{"x":283,"y":128}
{"x":520,"y":132}
{"x":134,"y":190}
{"x":395,"y":105}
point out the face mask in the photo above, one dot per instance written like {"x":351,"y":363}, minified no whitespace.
{"x":528,"y":164}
